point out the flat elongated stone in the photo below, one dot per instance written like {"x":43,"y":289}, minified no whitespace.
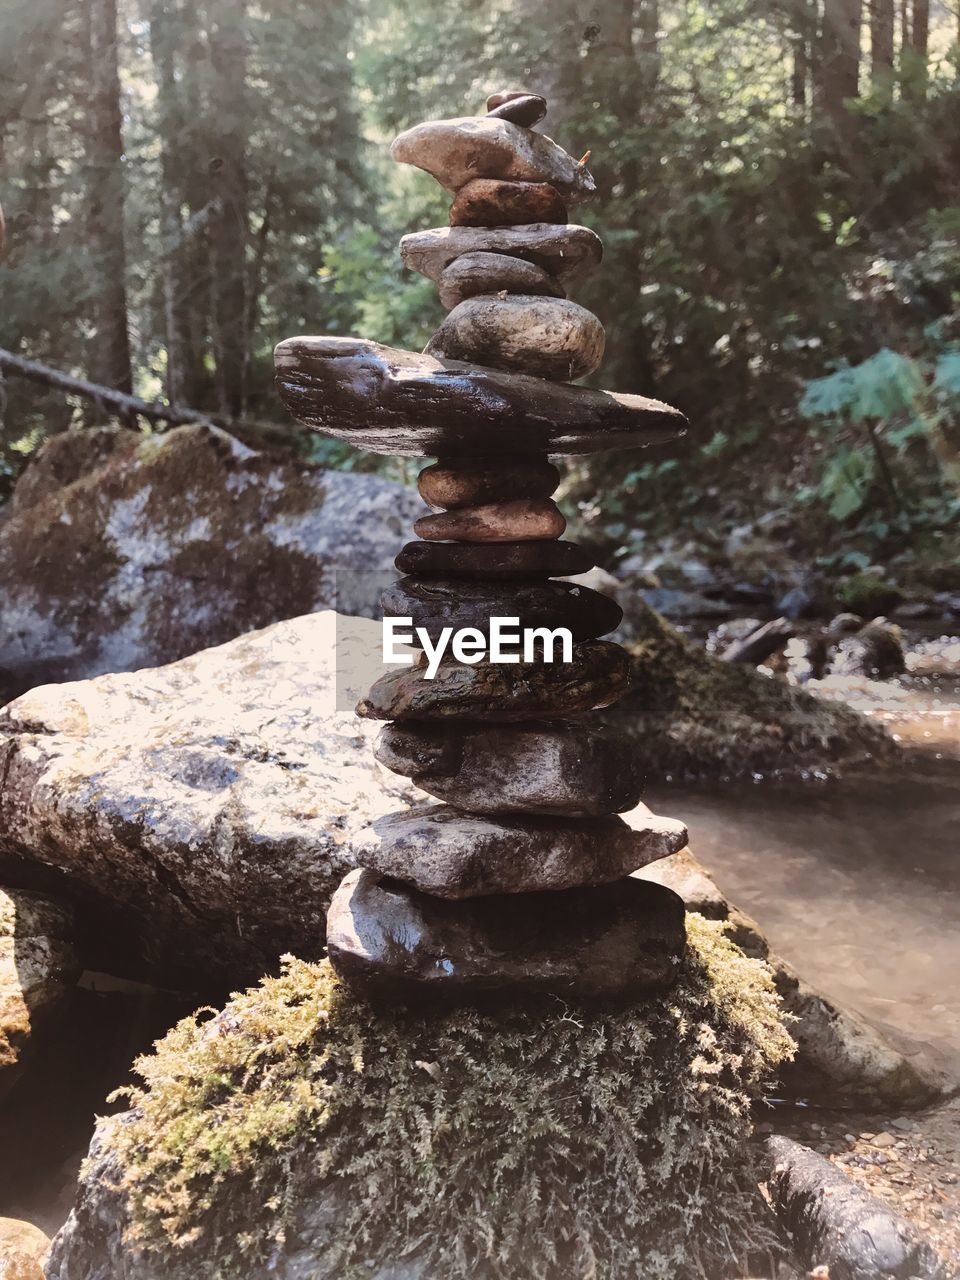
{"x":563,"y":769}
{"x":435,"y":603}
{"x":494,"y":202}
{"x":499,"y":692}
{"x":527,"y":519}
{"x":474,"y":273}
{"x":616,"y":941}
{"x":527,"y":109}
{"x":564,"y":251}
{"x":480,"y":481}
{"x":455,"y":151}
{"x":546,"y":337}
{"x":456,"y":855}
{"x":495,"y":561}
{"x":396,"y":402}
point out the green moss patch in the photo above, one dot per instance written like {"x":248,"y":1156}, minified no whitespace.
{"x":543,"y":1141}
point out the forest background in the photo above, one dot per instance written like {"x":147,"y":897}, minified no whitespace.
{"x":186,"y":183}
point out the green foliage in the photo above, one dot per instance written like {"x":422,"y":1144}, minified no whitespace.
{"x":458,"y":1136}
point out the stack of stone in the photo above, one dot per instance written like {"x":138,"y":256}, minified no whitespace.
{"x":521,"y":876}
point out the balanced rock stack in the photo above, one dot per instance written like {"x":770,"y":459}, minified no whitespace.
{"x":520,"y":877}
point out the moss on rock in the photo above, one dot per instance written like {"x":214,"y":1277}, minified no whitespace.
{"x":300,"y":1132}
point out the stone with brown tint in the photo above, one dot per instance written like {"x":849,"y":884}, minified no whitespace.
{"x":458,"y":150}
{"x":474,"y":273}
{"x":546,"y":337}
{"x":499,"y":692}
{"x":524,"y":520}
{"x":476,"y":482}
{"x":564,"y":251}
{"x":620,"y":940}
{"x":569,"y":770}
{"x":439,"y":850}
{"x":495,"y":561}
{"x":436,"y":603}
{"x":494,"y":202}
{"x":522,"y":108}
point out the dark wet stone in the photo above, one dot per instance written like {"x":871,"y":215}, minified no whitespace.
{"x":492,"y":202}
{"x":474,"y":273}
{"x":397,"y":402}
{"x":526,"y":109}
{"x":498,"y":692}
{"x":616,"y":941}
{"x":546,"y":337}
{"x":455,"y":855}
{"x":564,"y":251}
{"x":484,"y":480}
{"x":496,"y":561}
{"x":563,"y":769}
{"x":525,"y":520}
{"x":435,"y":603}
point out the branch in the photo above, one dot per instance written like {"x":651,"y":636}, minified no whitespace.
{"x":760,"y":643}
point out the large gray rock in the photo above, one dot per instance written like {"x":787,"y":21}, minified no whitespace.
{"x":213,"y":801}
{"x":124,"y":551}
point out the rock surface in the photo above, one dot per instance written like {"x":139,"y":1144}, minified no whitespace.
{"x":450,"y":854}
{"x":458,"y":150}
{"x":490,"y":202}
{"x":615,"y":941}
{"x":479,"y":272}
{"x":476,"y":482}
{"x":123,"y":550}
{"x":212,"y":802}
{"x":396,"y":402}
{"x":523,"y":520}
{"x":517,"y":768}
{"x":38,"y":965}
{"x":546,"y":337}
{"x":436,"y":603}
{"x":564,"y":251}
{"x":495,"y":561}
{"x":23,"y":1248}
{"x":527,"y":109}
{"x":501,"y":692}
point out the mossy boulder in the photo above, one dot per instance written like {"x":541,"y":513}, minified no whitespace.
{"x":868,"y":594}
{"x":300,"y":1133}
{"x":691,"y":715}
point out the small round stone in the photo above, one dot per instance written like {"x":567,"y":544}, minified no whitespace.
{"x":518,"y":107}
{"x":455,"y":855}
{"x":478,"y":483}
{"x":526,"y":519}
{"x":436,"y":603}
{"x":560,"y":769}
{"x":494,"y":202}
{"x":501,"y":692}
{"x":494,"y":561}
{"x":481,"y":272}
{"x":546,"y":337}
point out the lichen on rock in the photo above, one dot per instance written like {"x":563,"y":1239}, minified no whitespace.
{"x":300,"y":1132}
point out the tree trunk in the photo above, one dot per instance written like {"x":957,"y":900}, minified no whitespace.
{"x":839,"y":62}
{"x":881,"y":44}
{"x":110,"y":353}
{"x":228,"y":230}
{"x":915,"y":84}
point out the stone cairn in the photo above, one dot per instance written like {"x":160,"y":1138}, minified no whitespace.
{"x":520,"y":878}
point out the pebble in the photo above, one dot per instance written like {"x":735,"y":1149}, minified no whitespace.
{"x":494,"y":202}
{"x":561,"y":769}
{"x":526,"y":519}
{"x":481,"y":481}
{"x":519,"y":107}
{"x":616,"y":941}
{"x":454,"y":855}
{"x":497,"y":692}
{"x":474,"y":273}
{"x":883,"y":1140}
{"x":544,"y":337}
{"x":564,"y":251}
{"x":436,"y":603}
{"x":495,"y":561}
{"x":458,"y":150}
